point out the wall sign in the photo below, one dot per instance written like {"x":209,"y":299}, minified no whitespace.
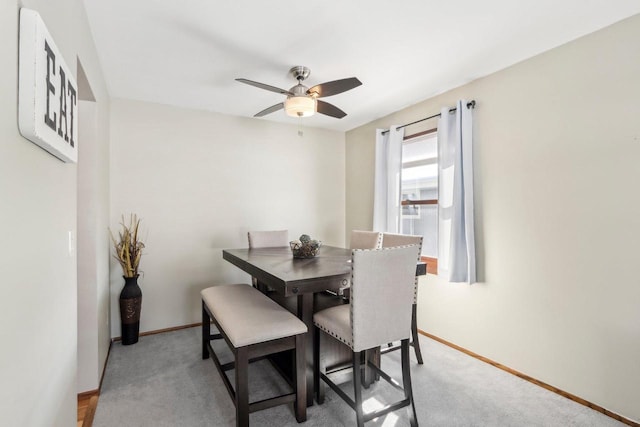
{"x":48,"y":99}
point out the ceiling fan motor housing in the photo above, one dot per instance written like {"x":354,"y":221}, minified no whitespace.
{"x":300,"y":72}
{"x":299,"y":90}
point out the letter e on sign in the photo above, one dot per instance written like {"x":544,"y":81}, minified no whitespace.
{"x":47,"y":99}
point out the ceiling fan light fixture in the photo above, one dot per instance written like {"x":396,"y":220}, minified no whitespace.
{"x":300,"y":106}
{"x":302,"y":101}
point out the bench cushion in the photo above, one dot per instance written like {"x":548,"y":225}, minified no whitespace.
{"x":247,"y":316}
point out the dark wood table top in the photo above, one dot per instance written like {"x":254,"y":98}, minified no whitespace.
{"x":277,"y":268}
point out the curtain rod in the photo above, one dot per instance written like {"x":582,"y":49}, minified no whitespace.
{"x":470,"y":104}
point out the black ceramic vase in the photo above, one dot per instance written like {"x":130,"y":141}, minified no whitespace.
{"x":130,"y":304}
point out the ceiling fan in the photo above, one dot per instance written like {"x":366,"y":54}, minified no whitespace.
{"x":302,"y":101}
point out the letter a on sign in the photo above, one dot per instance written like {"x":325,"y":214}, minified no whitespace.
{"x":47,"y":101}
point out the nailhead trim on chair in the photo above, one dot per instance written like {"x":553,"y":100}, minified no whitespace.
{"x":381,"y":273}
{"x":415,"y":287}
{"x":339,"y":338}
{"x":415,"y":293}
{"x":351,"y":302}
{"x":378,"y":246}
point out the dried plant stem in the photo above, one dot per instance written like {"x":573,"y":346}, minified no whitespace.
{"x":128,"y":249}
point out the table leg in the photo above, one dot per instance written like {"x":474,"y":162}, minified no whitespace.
{"x":305,"y":313}
{"x":373,"y":357}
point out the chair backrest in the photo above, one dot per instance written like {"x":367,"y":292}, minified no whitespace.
{"x":382,"y":283}
{"x":268,"y":239}
{"x":365,"y":239}
{"x":390,"y":240}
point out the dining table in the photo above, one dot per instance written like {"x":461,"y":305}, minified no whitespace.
{"x":297,"y":283}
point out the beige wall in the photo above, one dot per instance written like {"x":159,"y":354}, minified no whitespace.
{"x":38,"y":328}
{"x":200,"y":181}
{"x":557,"y":143}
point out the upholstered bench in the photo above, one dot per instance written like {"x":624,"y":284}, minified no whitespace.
{"x":253,"y":326}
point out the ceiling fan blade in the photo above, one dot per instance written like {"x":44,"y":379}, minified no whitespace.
{"x":265,"y":87}
{"x":270,"y":110}
{"x":333,"y":88}
{"x":330,"y":110}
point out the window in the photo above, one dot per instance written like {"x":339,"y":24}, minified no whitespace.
{"x":420,"y":192}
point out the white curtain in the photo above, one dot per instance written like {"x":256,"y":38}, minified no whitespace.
{"x":456,"y":235}
{"x":388,"y":177}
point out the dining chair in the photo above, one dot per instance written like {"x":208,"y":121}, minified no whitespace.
{"x":360,"y":239}
{"x":382,"y":282}
{"x":365,"y":239}
{"x":391,"y":240}
{"x":266,"y":239}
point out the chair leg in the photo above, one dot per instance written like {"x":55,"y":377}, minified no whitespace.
{"x":242,"y":387}
{"x":317,"y":382}
{"x":301,"y":381}
{"x":368,"y":372}
{"x":414,"y":333}
{"x":206,"y":332}
{"x":406,"y":382}
{"x":357,"y":388}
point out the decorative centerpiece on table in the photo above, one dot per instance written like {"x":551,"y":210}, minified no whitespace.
{"x":305,"y":247}
{"x":128,"y":251}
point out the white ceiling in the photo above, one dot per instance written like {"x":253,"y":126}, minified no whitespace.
{"x":188,"y":53}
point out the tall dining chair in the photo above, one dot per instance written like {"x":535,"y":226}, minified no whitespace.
{"x":360,"y":239}
{"x":391,"y":240}
{"x":382,"y":282}
{"x":365,"y":239}
{"x":266,"y":239}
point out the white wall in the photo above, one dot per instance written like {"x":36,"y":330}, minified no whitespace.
{"x":557,"y":143}
{"x":200,"y":181}
{"x":38,"y":329}
{"x":93,"y":245}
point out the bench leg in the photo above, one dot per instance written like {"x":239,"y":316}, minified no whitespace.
{"x":301,"y":380}
{"x":242,"y":387}
{"x":206,"y":332}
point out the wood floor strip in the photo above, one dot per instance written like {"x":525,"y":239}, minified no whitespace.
{"x":534,"y":381}
{"x":88,"y":400}
{"x":90,"y":412}
{"x":87,"y":403}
